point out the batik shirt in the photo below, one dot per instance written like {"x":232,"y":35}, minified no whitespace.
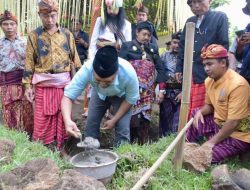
{"x":53,"y":58}
{"x":169,"y":60}
{"x":12,"y":54}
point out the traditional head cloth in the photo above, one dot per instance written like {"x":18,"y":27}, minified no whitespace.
{"x":213,"y":51}
{"x":143,"y":9}
{"x":176,"y":35}
{"x":7,"y":15}
{"x":106,"y":61}
{"x":145,"y":25}
{"x":47,"y":6}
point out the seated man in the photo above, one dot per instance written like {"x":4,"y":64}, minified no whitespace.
{"x":114,"y":82}
{"x":224,"y":119}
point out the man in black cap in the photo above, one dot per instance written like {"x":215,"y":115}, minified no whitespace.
{"x":142,"y":16}
{"x":114,"y":82}
{"x":144,"y":57}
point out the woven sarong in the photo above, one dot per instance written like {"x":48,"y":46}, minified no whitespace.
{"x":197,"y":96}
{"x":48,"y":123}
{"x":17,"y":110}
{"x":229,"y":147}
{"x":145,"y":73}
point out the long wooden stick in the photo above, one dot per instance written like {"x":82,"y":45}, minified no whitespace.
{"x":159,"y":161}
{"x":186,"y":86}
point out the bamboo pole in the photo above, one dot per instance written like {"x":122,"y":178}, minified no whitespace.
{"x":186,"y":85}
{"x":159,"y":161}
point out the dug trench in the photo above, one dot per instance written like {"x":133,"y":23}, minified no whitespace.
{"x":106,"y":137}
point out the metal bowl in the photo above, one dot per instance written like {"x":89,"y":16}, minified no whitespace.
{"x":102,"y":171}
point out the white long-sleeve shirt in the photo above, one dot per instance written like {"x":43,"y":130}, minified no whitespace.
{"x":107,"y":34}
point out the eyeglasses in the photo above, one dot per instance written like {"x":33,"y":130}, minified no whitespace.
{"x":202,"y":32}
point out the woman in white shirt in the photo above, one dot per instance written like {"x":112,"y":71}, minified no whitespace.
{"x":111,"y":28}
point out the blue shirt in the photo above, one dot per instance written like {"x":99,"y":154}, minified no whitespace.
{"x":125,"y":83}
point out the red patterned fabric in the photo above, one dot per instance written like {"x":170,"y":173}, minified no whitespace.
{"x":197,"y":96}
{"x":7,"y":15}
{"x":145,"y":72}
{"x":17,"y":111}
{"x":48,"y":123}
{"x":214,"y":51}
{"x":48,"y":6}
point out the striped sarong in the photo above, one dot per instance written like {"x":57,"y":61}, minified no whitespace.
{"x":48,"y":121}
{"x":169,"y":117}
{"x":16,"y":109}
{"x":227,"y":148}
{"x":197,"y":96}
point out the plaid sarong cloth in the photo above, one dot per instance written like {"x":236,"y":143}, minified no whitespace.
{"x":227,"y":148}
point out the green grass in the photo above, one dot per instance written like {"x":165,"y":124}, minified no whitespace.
{"x":26,"y":150}
{"x":134,"y":157}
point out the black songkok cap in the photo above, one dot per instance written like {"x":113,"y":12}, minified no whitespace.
{"x":146,"y":26}
{"x":106,"y":61}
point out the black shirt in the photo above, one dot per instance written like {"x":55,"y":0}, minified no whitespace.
{"x":213,"y":30}
{"x":129,"y":52}
{"x":82,"y":51}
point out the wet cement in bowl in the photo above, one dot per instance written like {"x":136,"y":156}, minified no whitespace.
{"x":100,"y":164}
{"x":92,"y":158}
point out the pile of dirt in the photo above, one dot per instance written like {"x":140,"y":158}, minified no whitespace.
{"x":223,"y":179}
{"x":43,"y":174}
{"x":6,"y":150}
{"x":197,"y":158}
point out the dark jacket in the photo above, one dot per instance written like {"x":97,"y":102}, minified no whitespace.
{"x":129,"y":53}
{"x":81,"y":50}
{"x":213,"y":30}
{"x":244,"y":57}
{"x":153,"y":39}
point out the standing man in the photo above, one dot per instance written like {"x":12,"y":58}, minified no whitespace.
{"x":224,"y":119}
{"x":142,"y":16}
{"x":145,"y":59}
{"x":17,"y":110}
{"x":81,"y":40}
{"x":50,"y":52}
{"x":211,"y":27}
{"x":114,"y":82}
{"x":170,"y":107}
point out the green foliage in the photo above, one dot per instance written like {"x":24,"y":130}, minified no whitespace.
{"x":134,"y":157}
{"x":218,"y":3}
{"x":26,"y":150}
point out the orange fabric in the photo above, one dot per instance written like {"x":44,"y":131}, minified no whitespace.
{"x":96,"y":13}
{"x":213,"y":51}
{"x":230,"y":97}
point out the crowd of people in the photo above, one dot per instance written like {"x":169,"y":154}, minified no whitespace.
{"x":122,"y":65}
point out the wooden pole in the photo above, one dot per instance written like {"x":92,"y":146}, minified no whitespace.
{"x":186,"y":86}
{"x":159,"y":161}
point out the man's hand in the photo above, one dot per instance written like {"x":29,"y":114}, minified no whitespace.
{"x":160,"y":97}
{"x":178,"y":97}
{"x":72,"y":130}
{"x":209,"y":144}
{"x":30,"y":94}
{"x":178,"y":77}
{"x":109,"y":124}
{"x":198,"y":117}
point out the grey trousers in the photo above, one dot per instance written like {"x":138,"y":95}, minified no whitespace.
{"x":96,"y":111}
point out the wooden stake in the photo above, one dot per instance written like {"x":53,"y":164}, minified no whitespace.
{"x":186,"y":85}
{"x":153,"y":168}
